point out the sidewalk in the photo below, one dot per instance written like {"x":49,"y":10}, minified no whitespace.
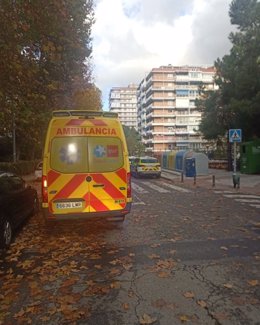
{"x":223,"y":180}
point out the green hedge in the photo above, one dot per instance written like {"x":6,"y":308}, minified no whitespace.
{"x":22,"y":167}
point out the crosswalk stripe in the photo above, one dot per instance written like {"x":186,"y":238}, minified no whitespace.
{"x":177,"y":188}
{"x":138,"y":203}
{"x":138,"y":188}
{"x":157,"y":188}
{"x":248,"y":200}
{"x":255,"y":206}
{"x":248,"y":196}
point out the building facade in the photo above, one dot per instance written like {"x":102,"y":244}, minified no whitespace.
{"x":123,"y":101}
{"x":167,"y":116}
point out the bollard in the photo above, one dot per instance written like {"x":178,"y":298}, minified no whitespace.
{"x":194,"y":180}
{"x":182,"y":177}
{"x":236,"y":180}
{"x":213,"y":181}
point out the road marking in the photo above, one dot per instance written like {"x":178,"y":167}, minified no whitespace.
{"x":255,"y":206}
{"x":138,"y":188}
{"x":248,"y":201}
{"x":138,"y":203}
{"x":137,"y":200}
{"x":248,"y":196}
{"x":157,"y":188}
{"x":177,"y":188}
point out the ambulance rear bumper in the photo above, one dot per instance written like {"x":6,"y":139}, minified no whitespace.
{"x":86,"y":215}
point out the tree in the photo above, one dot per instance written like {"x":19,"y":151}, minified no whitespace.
{"x":88,"y":98}
{"x":133,"y":140}
{"x":237,"y":102}
{"x":44,"y":50}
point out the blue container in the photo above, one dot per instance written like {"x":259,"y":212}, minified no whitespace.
{"x":190,"y":167}
{"x":179,"y":166}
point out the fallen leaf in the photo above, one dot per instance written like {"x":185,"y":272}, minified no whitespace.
{"x":153,"y":256}
{"x":253,"y":283}
{"x":184,"y":318}
{"x":224,"y":248}
{"x":20,"y":313}
{"x":125,"y":306}
{"x":115,"y":285}
{"x":127,"y":266}
{"x":228,"y":285}
{"x":188,"y":294}
{"x":202,"y":303}
{"x":163,"y":274}
{"x":155,"y":245}
{"x":146,"y":319}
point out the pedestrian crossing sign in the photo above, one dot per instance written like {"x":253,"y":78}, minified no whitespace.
{"x":235,"y":135}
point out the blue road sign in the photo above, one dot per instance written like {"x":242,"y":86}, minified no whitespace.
{"x":235,"y":135}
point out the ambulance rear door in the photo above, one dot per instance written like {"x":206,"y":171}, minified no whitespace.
{"x":107,"y":174}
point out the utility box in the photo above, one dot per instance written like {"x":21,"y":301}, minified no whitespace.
{"x":250,"y":157}
{"x":190,"y":167}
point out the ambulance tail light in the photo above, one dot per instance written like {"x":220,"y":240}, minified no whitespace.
{"x":129,"y":189}
{"x":44,"y":189}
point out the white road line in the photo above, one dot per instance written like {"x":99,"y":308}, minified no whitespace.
{"x":176,"y":188}
{"x":221,"y":192}
{"x":248,"y":201}
{"x":157,"y":188}
{"x":255,"y":206}
{"x":245,"y":196}
{"x":138,"y":188}
{"x":138,"y":203}
{"x":137,"y":200}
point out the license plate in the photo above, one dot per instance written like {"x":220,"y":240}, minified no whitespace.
{"x":69,"y":205}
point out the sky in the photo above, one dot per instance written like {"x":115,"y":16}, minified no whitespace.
{"x":131,"y":37}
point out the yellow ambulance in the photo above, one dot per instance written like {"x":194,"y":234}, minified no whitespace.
{"x":86,"y":168}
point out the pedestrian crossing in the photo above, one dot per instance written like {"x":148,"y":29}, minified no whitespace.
{"x":151,"y":187}
{"x":165,"y":188}
{"x":249,"y":199}
{"x":162,"y":188}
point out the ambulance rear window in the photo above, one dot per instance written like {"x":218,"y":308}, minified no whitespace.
{"x":86,"y":154}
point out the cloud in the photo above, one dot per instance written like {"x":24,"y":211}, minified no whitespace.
{"x":130,"y":37}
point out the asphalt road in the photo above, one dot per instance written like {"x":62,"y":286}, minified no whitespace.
{"x":184,"y":255}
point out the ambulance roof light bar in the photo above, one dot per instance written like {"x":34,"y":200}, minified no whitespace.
{"x":83,"y":114}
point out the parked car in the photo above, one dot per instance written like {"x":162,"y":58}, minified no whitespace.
{"x":146,"y":166}
{"x":18,"y":201}
{"x":131,"y":159}
{"x":38,"y":171}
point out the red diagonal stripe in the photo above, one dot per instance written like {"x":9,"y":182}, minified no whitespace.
{"x":70,"y":187}
{"x":98,"y":122}
{"x":52,"y":176}
{"x":108,"y":186}
{"x":96,"y":204}
{"x":75,"y":122}
{"x":122,"y":174}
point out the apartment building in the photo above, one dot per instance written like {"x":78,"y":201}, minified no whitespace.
{"x":167,"y":116}
{"x":123,"y":101}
